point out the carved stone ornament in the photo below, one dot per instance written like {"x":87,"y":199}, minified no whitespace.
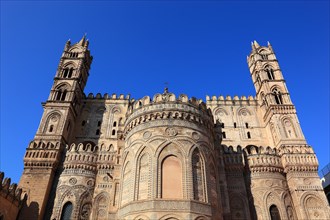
{"x":90,"y":183}
{"x":101,"y":213}
{"x":195,"y":136}
{"x":54,"y":118}
{"x":72,"y":181}
{"x":106,"y":179}
{"x":85,"y":210}
{"x":146,"y":134}
{"x":171,"y":131}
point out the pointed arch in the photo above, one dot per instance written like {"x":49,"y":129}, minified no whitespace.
{"x":144,"y":176}
{"x":277,"y":94}
{"x":198,"y":168}
{"x":61,"y":91}
{"x":243,"y":111}
{"x":52,"y":122}
{"x":238,"y":207}
{"x":289,"y":128}
{"x":67,"y":211}
{"x":101,"y":202}
{"x":314,"y":206}
{"x":127,"y":172}
{"x":274,"y":213}
{"x":172,"y":175}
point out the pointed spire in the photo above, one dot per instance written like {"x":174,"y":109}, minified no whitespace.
{"x":270,"y":46}
{"x":256,"y":44}
{"x":253,"y":47}
{"x":67,"y":45}
{"x":82,"y":41}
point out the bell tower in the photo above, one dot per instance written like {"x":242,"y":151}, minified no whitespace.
{"x":44,"y":153}
{"x":278,"y":111}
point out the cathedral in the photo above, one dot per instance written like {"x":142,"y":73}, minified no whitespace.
{"x":170,"y":157}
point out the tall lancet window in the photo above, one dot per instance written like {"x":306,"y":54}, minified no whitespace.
{"x":144,"y":177}
{"x":278,"y":96}
{"x":67,"y":211}
{"x":126,"y":184}
{"x":270,"y":73}
{"x":198,"y":177}
{"x":274,"y":213}
{"x":172,"y":178}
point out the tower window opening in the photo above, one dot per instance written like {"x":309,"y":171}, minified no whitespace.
{"x":235,"y":125}
{"x":63,"y":95}
{"x":248,"y":135}
{"x":65,"y":72}
{"x":222,"y":125}
{"x":58,"y":95}
{"x":51,"y":128}
{"x":264,"y":56}
{"x":247,"y":125}
{"x":274,"y":213}
{"x":83,"y":123}
{"x":270,"y":74}
{"x":99,"y":123}
{"x":223,"y":135}
{"x":67,"y":211}
{"x":113,"y":132}
{"x":115,"y":124}
{"x":278,"y":96}
{"x":70,"y":73}
{"x":97,"y":132}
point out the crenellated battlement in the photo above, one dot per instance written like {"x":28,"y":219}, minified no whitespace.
{"x":106,"y":96}
{"x":298,"y":158}
{"x":263,"y":159}
{"x":165,"y":107}
{"x":229,"y":100}
{"x":168,"y":98}
{"x":233,"y":159}
{"x":42,"y":153}
{"x":11,"y":192}
{"x":81,"y":156}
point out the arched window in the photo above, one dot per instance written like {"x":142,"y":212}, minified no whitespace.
{"x":51,"y":128}
{"x":172,"y":178}
{"x":63,"y":95}
{"x":67,"y":211}
{"x":70,"y":72}
{"x":65,"y":72}
{"x":278,"y":96}
{"x":115,"y":124}
{"x":60,"y":92}
{"x":144,"y":187}
{"x":223,"y":134}
{"x":113,"y":132}
{"x":97,"y":132}
{"x":198,"y":177}
{"x":274,"y":213}
{"x":235,"y":125}
{"x":248,"y":135}
{"x":270,"y":73}
{"x":247,"y":125}
{"x":58,"y":95}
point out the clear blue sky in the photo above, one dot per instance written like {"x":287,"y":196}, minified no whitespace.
{"x":198,"y":47}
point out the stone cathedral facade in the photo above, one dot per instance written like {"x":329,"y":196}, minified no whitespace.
{"x":170,"y":157}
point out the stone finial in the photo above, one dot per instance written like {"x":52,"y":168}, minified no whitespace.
{"x":255,"y":43}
